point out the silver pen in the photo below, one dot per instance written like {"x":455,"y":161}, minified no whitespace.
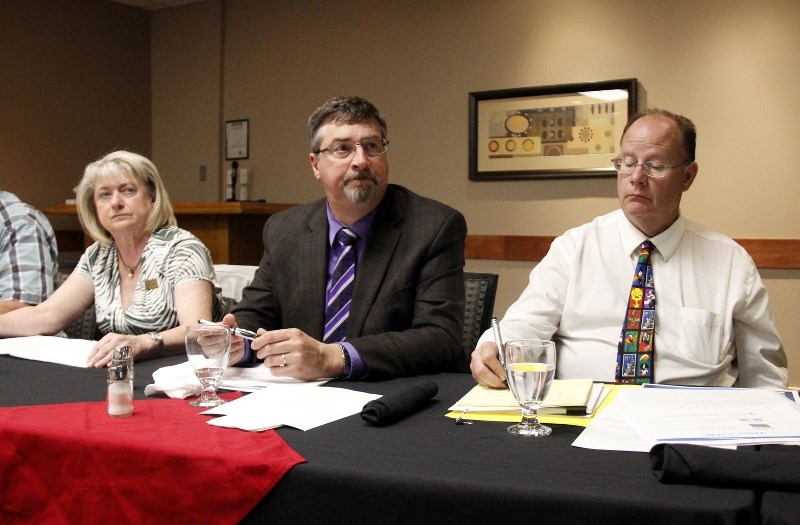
{"x":241,"y":332}
{"x":498,"y":340}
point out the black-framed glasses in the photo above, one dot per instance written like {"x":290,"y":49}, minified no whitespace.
{"x":343,"y":149}
{"x":655,"y":170}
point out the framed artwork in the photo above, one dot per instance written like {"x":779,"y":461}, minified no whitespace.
{"x":547,"y":132}
{"x":237,"y":139}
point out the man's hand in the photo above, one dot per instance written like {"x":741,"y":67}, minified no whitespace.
{"x":486,"y":367}
{"x":293,"y":353}
{"x":237,"y":343}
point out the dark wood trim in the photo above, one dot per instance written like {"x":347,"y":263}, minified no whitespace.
{"x":230,"y":230}
{"x":199,"y":208}
{"x":767,"y":253}
{"x":781,"y":254}
{"x":70,"y":241}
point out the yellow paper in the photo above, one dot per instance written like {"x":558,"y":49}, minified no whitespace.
{"x":563,"y":392}
{"x":515,"y":417}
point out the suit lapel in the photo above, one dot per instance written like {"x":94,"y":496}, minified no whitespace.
{"x":374,"y":263}
{"x":313,"y":264}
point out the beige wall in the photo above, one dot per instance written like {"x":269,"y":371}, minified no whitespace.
{"x":187,"y":99}
{"x":75,"y":85}
{"x":730,"y":65}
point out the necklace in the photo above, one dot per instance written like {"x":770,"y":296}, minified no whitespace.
{"x":128,"y":268}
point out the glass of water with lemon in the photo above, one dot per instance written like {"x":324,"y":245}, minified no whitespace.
{"x":530,"y":368}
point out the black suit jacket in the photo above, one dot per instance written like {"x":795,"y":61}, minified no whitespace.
{"x":407,"y":310}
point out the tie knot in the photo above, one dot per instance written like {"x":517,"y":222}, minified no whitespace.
{"x":346,"y":237}
{"x":645,"y":252}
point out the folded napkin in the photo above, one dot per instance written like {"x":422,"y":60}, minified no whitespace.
{"x":698,"y":465}
{"x":394,"y":407}
{"x":177,"y":381}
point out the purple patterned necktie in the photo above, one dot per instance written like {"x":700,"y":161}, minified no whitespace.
{"x":636,"y":350}
{"x":337,"y":306}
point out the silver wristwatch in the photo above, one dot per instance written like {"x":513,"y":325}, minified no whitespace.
{"x":155,"y":336}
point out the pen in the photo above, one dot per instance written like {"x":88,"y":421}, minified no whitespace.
{"x":498,"y":340}
{"x":241,"y":332}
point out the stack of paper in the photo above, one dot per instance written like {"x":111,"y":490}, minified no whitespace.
{"x":51,"y":349}
{"x":292,"y":405}
{"x":726,"y":417}
{"x":574,"y":397}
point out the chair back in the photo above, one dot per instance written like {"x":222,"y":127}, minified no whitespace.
{"x":85,"y":326}
{"x":229,"y":283}
{"x":479,"y":290}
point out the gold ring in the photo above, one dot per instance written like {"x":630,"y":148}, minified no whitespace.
{"x":283,"y":356}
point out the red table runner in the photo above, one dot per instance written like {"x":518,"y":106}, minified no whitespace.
{"x":72,"y":463}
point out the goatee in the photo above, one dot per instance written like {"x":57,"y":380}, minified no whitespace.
{"x":361,"y":193}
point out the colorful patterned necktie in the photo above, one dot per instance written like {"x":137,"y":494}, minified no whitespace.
{"x":636,"y":350}
{"x":337,"y":306}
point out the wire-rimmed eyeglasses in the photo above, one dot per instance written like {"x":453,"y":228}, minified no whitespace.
{"x":342,"y":149}
{"x":654,"y":170}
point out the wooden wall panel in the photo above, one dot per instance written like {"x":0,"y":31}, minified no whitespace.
{"x":767,"y":253}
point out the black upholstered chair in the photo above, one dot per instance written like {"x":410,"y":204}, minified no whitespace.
{"x":85,"y":326}
{"x":480,"y":290}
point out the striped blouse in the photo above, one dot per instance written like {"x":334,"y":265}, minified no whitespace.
{"x":172,"y":256}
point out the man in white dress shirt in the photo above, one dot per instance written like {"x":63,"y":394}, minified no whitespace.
{"x":713,"y":320}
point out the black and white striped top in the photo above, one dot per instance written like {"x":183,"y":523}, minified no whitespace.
{"x":171,"y":256}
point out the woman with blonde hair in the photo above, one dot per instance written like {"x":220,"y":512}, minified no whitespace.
{"x":146,"y":276}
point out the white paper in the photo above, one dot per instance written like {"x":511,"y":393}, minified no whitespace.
{"x":637,"y":421}
{"x":250,"y":379}
{"x":611,"y":430}
{"x":278,"y":405}
{"x":50,"y":349}
{"x":712,"y":416}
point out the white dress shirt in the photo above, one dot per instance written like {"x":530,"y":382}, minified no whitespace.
{"x":713,"y":321}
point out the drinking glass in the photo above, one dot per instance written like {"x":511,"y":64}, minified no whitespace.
{"x":208,"y":348}
{"x":530,"y":366}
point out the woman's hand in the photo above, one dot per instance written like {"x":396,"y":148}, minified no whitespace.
{"x":103,"y":351}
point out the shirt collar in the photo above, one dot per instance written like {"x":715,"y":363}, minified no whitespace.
{"x":665,"y":242}
{"x":361,"y":227}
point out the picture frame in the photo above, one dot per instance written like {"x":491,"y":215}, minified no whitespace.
{"x":237,"y":139}
{"x":549,"y":132}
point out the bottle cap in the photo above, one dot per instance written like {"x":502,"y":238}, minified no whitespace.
{"x":122,"y":352}
{"x":119,"y":373}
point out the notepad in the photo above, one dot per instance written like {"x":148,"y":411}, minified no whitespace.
{"x":566,"y":396}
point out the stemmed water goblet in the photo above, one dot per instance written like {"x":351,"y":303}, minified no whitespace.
{"x":530,"y":367}
{"x":208,"y":348}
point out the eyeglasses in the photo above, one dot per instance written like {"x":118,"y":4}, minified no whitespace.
{"x":654,"y":170}
{"x":343,"y":149}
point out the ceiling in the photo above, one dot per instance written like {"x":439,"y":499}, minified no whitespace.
{"x":152,"y":5}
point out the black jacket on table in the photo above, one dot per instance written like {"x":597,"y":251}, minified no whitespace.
{"x":407,"y":310}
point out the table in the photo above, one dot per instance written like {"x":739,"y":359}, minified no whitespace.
{"x":426,"y":469}
{"x":230,"y":230}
